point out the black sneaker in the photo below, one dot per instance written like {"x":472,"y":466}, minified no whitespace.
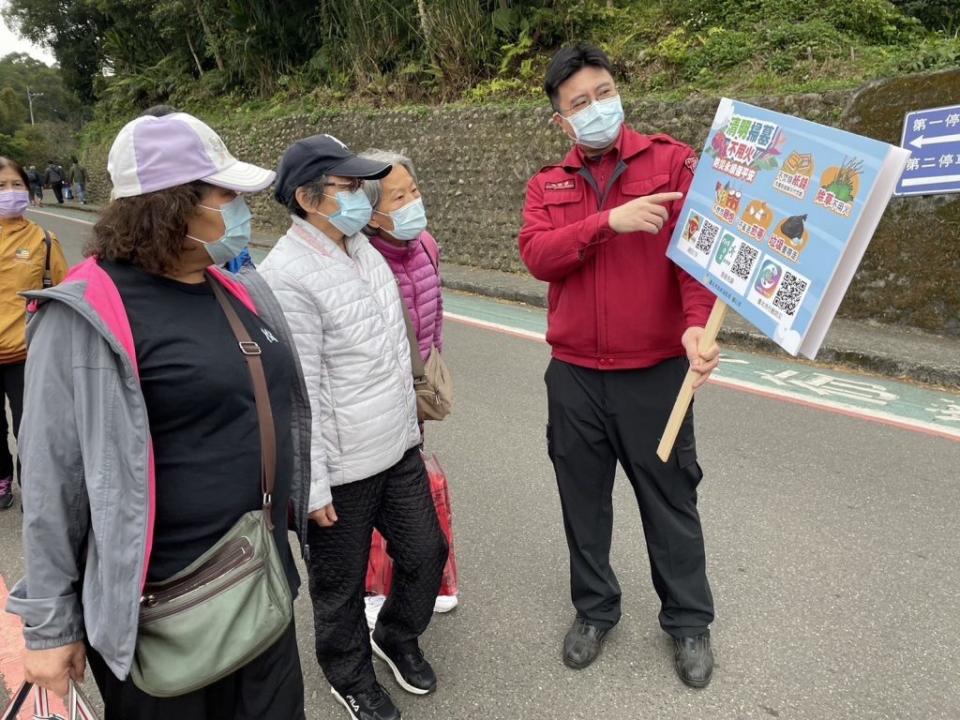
{"x":582,"y":644}
{"x":411,"y":671}
{"x":373,"y":704}
{"x":6,"y":492}
{"x":693,"y":660}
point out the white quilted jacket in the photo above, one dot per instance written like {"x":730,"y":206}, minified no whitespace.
{"x":345,"y":315}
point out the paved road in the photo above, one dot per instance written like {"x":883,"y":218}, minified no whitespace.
{"x":832,"y":547}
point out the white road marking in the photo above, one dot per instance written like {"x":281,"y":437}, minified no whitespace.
{"x":60,"y":217}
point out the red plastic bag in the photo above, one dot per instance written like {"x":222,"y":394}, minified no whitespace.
{"x":380,"y":566}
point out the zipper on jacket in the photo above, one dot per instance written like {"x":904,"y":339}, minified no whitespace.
{"x":232,"y":555}
{"x":585,"y":173}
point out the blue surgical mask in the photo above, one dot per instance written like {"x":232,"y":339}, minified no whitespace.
{"x":598,"y":125}
{"x":237,"y":222}
{"x":354,"y":213}
{"x":408,"y":221}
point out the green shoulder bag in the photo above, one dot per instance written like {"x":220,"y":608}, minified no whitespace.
{"x":234,"y":601}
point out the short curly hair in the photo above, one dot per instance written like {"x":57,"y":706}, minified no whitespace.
{"x":147,"y":230}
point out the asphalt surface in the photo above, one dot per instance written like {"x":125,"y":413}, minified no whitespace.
{"x":832,"y":549}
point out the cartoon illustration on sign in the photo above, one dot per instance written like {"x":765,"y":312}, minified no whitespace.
{"x":840,"y":186}
{"x":795,"y":175}
{"x":791,"y":237}
{"x":692,"y":228}
{"x":728,"y":202}
{"x":744,"y":147}
{"x":698,"y":238}
{"x":768,"y":278}
{"x":779,"y":292}
{"x":756,"y":220}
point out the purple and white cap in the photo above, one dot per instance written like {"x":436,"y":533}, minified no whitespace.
{"x":156,"y":153}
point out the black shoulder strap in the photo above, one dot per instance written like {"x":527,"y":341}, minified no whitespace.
{"x":47,"y":277}
{"x":268,"y":438}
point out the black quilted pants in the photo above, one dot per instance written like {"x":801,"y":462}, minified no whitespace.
{"x":398,"y":503}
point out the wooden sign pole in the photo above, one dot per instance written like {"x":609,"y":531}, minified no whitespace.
{"x":685,"y":397}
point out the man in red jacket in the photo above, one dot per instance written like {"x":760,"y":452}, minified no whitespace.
{"x":624,"y":324}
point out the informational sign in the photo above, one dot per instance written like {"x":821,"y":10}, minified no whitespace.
{"x":779,"y":215}
{"x":933,"y":139}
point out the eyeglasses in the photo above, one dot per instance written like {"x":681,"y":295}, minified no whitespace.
{"x":351,"y":186}
{"x":583,"y":102}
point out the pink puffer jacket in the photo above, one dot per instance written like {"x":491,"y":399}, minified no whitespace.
{"x":416,"y":268}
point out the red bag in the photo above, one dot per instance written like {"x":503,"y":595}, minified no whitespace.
{"x":380,"y":567}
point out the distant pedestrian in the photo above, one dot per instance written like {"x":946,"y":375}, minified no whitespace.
{"x":342,"y":303}
{"x":624,"y":325}
{"x":165,"y":412}
{"x":36,"y":186}
{"x":30,"y":259}
{"x":78,"y":178}
{"x":53,"y":178}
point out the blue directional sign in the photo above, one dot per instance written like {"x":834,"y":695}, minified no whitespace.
{"x":933,"y":136}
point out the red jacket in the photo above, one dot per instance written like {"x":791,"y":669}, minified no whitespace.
{"x":615,"y":301}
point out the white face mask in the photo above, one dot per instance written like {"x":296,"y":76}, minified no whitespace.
{"x":237,"y":222}
{"x":598,"y":124}
{"x":408,"y":221}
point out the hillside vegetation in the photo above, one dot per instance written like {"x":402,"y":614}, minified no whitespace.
{"x":124,"y":55}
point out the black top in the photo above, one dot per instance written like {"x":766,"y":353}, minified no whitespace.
{"x":203,"y":417}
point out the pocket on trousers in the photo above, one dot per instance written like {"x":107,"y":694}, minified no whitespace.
{"x":687,"y":462}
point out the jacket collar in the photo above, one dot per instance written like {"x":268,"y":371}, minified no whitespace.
{"x":14,"y":224}
{"x":628,"y":145}
{"x":318,"y":240}
{"x":391,"y":251}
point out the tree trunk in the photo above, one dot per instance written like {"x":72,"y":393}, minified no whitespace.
{"x":193,"y":52}
{"x":425,"y":23}
{"x":210,"y":41}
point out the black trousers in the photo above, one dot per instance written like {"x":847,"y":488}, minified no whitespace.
{"x":11,"y":387}
{"x":399,"y":504}
{"x":57,"y":188}
{"x":270,"y":687}
{"x":595,"y":419}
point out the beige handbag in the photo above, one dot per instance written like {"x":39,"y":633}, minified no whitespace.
{"x":432,"y":382}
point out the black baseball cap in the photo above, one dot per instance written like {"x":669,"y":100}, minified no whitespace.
{"x":318,"y":155}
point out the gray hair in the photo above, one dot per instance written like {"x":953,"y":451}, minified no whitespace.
{"x":374,"y":188}
{"x":314,"y":192}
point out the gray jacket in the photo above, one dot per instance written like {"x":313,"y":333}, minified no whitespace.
{"x":88,"y":465}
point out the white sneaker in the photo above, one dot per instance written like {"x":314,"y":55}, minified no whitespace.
{"x":445,"y":603}
{"x":373,"y":603}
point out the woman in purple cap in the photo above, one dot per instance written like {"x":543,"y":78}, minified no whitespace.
{"x":347,"y":320}
{"x":164,"y":407}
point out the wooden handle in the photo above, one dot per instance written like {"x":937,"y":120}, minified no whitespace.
{"x":682,"y":404}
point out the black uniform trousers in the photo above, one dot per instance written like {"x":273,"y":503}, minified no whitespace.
{"x":398,"y":503}
{"x":595,"y":419}
{"x":11,"y":387}
{"x":269,"y":687}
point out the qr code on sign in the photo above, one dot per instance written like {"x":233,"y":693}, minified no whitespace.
{"x":707,"y":237}
{"x":790,"y":293}
{"x":744,"y":261}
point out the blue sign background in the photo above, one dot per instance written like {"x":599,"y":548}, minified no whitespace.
{"x":933,"y":138}
{"x":828,"y":231}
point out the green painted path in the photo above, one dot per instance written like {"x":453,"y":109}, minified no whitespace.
{"x":904,"y":405}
